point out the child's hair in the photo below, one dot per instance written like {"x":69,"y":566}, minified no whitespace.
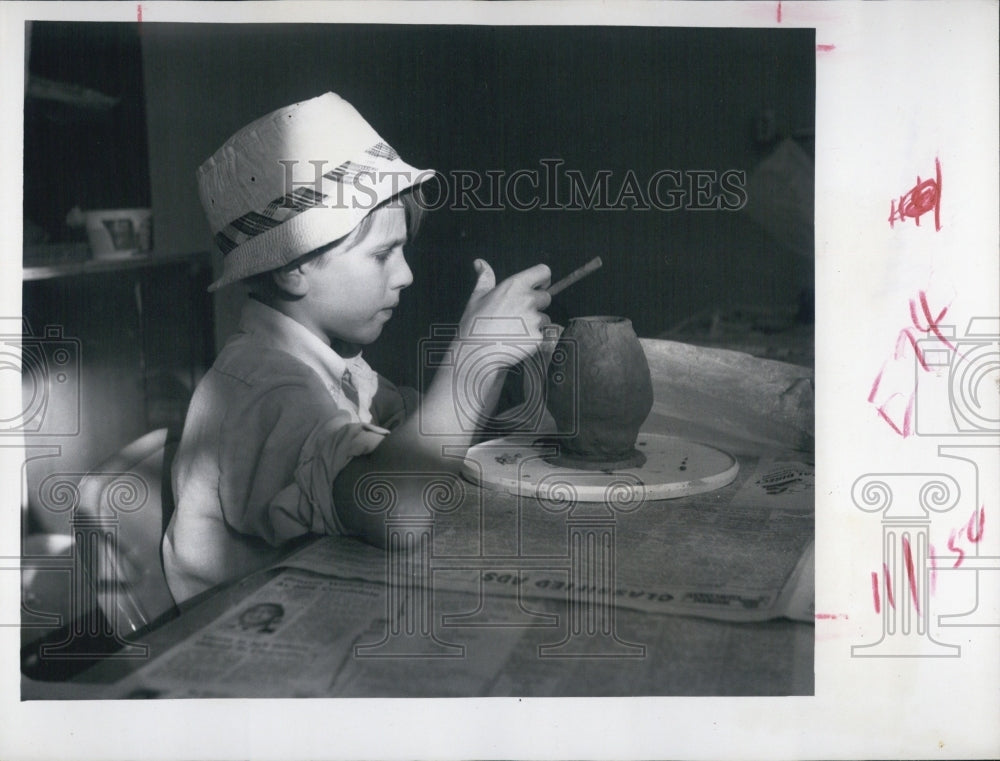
{"x":263,"y":287}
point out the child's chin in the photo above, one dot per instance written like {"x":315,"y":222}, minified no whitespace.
{"x":347,"y":346}
{"x":369,"y":336}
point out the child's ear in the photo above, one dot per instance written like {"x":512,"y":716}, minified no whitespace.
{"x":292,"y":280}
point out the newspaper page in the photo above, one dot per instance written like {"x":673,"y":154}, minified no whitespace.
{"x":284,"y":640}
{"x":306,"y":635}
{"x":726,"y":554}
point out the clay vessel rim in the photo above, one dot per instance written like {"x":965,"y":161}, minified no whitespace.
{"x":600,"y":318}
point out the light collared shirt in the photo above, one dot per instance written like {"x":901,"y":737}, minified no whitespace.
{"x":269,"y":428}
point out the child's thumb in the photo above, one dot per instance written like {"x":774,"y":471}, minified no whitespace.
{"x":486,"y":280}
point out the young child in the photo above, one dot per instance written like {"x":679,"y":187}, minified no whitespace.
{"x":312,"y":209}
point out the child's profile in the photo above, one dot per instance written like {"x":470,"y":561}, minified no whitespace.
{"x":312,"y":210}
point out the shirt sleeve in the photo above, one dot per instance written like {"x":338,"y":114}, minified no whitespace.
{"x":393,"y":404}
{"x":280,"y":450}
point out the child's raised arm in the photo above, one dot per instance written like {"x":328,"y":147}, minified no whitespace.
{"x":518,"y":300}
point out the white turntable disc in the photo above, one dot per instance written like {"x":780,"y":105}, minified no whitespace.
{"x":674,"y":467}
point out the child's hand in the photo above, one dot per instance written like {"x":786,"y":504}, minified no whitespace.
{"x":511,"y":308}
{"x":502,"y":326}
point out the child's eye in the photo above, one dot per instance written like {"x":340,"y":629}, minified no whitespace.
{"x":383,"y":256}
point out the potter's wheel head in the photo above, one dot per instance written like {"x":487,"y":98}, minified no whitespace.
{"x":674,"y":467}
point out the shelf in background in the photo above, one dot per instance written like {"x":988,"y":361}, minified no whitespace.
{"x":77,"y":266}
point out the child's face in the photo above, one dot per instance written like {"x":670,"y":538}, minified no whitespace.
{"x":352,"y":290}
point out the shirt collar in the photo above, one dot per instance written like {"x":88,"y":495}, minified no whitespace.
{"x":279,"y":331}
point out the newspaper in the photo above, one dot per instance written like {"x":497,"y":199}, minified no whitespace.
{"x":733,"y":554}
{"x":306,"y":635}
{"x":284,"y":640}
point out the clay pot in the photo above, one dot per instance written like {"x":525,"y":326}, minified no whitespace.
{"x":599,"y":392}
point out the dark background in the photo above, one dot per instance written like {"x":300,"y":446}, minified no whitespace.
{"x":504,"y":98}
{"x":446,"y":97}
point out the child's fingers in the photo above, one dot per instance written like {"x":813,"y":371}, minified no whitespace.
{"x":542,"y":299}
{"x":538,"y":276}
{"x":486,"y":280}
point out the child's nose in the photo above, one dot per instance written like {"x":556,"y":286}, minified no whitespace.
{"x":402,"y":276}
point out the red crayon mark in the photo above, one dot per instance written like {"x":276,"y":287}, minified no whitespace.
{"x":913,"y":339}
{"x":875,"y":385}
{"x":954,"y":548}
{"x":827,"y":616}
{"x":907,"y":427}
{"x":138,"y":13}
{"x":923,"y":197}
{"x":973,"y":531}
{"x":779,"y":11}
{"x":910,"y":575}
{"x":972,"y":521}
{"x":906,"y":335}
{"x":888,"y":586}
{"x":933,"y":558}
{"x":933,"y":324}
{"x":824,"y":48}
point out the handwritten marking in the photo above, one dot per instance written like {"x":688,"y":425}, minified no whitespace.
{"x":907,"y":335}
{"x":956,"y":549}
{"x":973,"y":530}
{"x":972,"y":520}
{"x":834,"y":616}
{"x":138,"y":13}
{"x":890,"y":596}
{"x":933,"y":558}
{"x":922,"y":321}
{"x":975,"y":538}
{"x":779,"y":11}
{"x":910,"y":576}
{"x":922,"y":198}
{"x":825,"y":48}
{"x":933,"y":325}
{"x":907,"y":428}
{"x":878,"y":382}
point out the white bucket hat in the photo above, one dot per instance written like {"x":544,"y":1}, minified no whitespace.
{"x":295,"y":180}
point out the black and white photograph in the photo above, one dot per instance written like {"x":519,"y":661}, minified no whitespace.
{"x":549,"y":407}
{"x":553,"y":419}
{"x":370,"y":355}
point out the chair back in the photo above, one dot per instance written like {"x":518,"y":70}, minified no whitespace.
{"x":131,"y":490}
